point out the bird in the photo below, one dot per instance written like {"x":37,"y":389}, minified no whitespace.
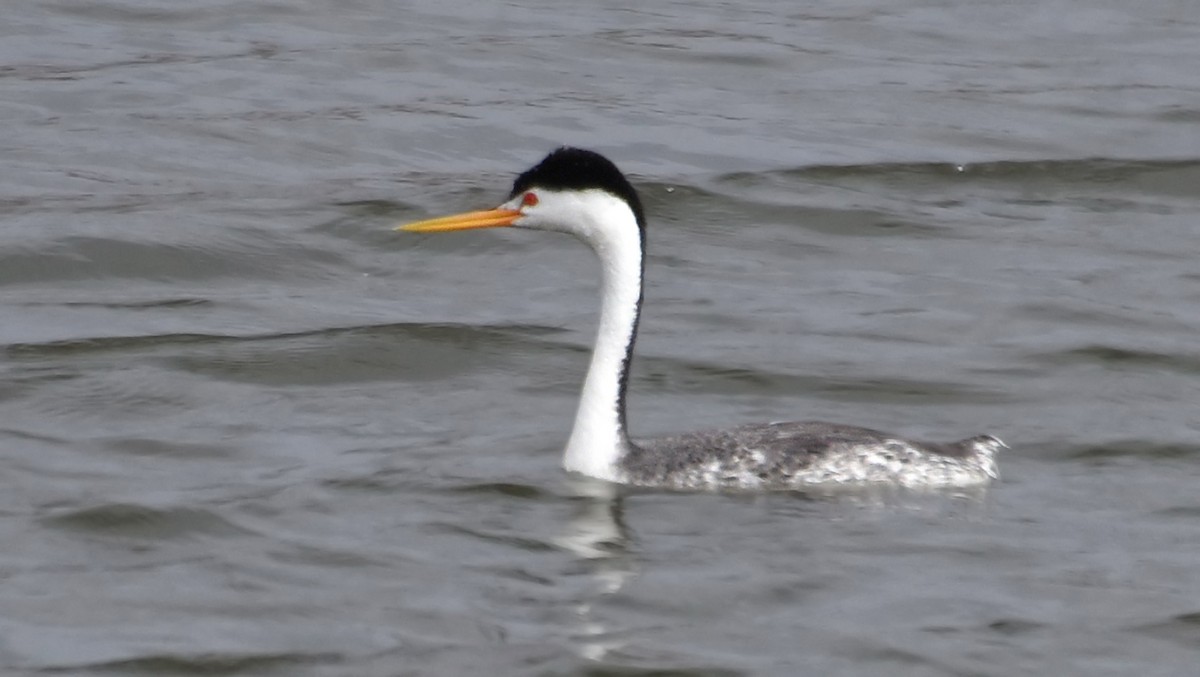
{"x":582,"y":193}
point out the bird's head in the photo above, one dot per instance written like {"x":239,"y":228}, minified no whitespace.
{"x":572,"y":190}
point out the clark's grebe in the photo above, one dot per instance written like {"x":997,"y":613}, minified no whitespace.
{"x":582,"y":193}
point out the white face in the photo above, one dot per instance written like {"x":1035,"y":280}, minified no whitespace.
{"x":593,"y":215}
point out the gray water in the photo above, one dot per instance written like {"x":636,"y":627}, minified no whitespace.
{"x":246,"y":429}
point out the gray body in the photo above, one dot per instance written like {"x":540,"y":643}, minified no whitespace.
{"x":795,"y":455}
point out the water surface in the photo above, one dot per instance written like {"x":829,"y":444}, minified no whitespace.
{"x":246,"y":429}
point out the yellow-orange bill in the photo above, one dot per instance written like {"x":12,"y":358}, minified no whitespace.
{"x":488,"y":218}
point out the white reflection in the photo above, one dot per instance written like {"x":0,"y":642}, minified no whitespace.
{"x":597,"y":536}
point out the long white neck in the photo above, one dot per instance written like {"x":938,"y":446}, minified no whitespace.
{"x":598,"y":439}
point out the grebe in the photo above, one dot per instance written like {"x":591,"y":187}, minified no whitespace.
{"x":581,"y":192}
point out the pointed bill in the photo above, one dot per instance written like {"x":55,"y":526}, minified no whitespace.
{"x":488,"y":218}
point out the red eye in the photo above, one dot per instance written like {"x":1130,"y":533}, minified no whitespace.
{"x":529,"y":199}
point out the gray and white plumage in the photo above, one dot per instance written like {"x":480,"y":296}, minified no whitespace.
{"x":795,"y":455}
{"x":582,"y":193}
